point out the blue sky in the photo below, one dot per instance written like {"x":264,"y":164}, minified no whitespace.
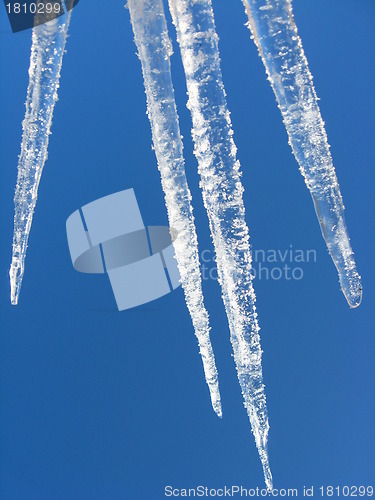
{"x":99,"y":404}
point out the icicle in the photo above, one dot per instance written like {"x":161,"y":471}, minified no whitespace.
{"x":222,"y":194}
{"x":154,"y":50}
{"x":274,"y":31}
{"x":48,"y":43}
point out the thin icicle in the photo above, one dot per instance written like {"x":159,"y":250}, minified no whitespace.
{"x":222,"y":194}
{"x":48,"y":43}
{"x":274,"y":31}
{"x":154,"y":50}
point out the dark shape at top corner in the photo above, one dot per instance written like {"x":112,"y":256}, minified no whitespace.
{"x":69,"y":4}
{"x":30,"y":13}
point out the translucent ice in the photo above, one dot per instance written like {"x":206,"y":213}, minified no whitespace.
{"x":222,"y":190}
{"x":48,"y":43}
{"x":274,"y":31}
{"x":154,"y":51}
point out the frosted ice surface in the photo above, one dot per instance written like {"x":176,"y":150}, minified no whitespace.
{"x":154,"y":51}
{"x":48,"y":43}
{"x":275,"y":33}
{"x":222,"y":190}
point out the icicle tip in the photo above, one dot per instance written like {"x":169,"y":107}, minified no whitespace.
{"x":15,"y":276}
{"x":352,"y":290}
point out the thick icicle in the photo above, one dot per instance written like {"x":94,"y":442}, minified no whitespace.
{"x":48,"y":43}
{"x":222,"y":194}
{"x":154,"y":50}
{"x":274,"y":31}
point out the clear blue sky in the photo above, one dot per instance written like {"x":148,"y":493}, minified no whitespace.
{"x":97,"y":404}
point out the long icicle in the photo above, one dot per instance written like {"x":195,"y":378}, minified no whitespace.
{"x":275,"y":33}
{"x":48,"y":44}
{"x":222,"y":195}
{"x":154,"y":51}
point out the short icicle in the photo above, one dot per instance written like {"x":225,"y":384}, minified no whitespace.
{"x":275,"y":33}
